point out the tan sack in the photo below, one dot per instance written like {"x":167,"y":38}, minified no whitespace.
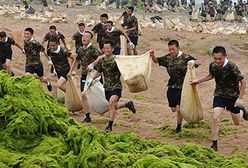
{"x":135,"y":70}
{"x":123,"y":45}
{"x":73,"y":99}
{"x":190,"y":108}
{"x":60,"y":96}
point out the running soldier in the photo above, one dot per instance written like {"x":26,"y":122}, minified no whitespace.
{"x":87,"y":54}
{"x":113,"y":34}
{"x":99,"y":29}
{"x":176,"y":65}
{"x":54,"y":33}
{"x":77,"y":37}
{"x":228,"y":94}
{"x":32,"y":49}
{"x":59,"y":59}
{"x":132,"y":29}
{"x":112,"y":83}
{"x":6,"y":51}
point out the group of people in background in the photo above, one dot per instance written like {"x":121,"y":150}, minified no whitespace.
{"x":212,"y":10}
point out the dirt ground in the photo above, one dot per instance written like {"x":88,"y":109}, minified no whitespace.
{"x":153,"y":119}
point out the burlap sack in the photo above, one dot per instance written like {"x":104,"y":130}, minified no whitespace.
{"x":191,"y":108}
{"x":73,"y":99}
{"x":135,"y":71}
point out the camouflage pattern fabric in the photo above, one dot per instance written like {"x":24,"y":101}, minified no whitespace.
{"x":32,"y":51}
{"x":176,"y":68}
{"x":59,"y":36}
{"x":227,"y":80}
{"x":110,"y":72}
{"x":132,"y":21}
{"x":87,"y":56}
{"x":113,"y":36}
{"x":77,"y":37}
{"x":99,"y":30}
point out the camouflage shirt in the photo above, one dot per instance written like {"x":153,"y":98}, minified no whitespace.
{"x":32,"y":52}
{"x":5,"y":47}
{"x":87,"y":56}
{"x":99,"y":30}
{"x":132,"y":21}
{"x":59,"y":36}
{"x":176,"y":68}
{"x":110,"y":72}
{"x":60,"y":59}
{"x":113,"y":36}
{"x":227,"y":80}
{"x":77,"y":37}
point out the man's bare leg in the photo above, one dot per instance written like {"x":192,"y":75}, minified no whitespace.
{"x":215,"y":126}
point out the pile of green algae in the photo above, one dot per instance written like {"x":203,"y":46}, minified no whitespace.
{"x":35,"y":131}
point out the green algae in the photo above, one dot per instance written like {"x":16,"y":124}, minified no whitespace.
{"x":35,"y":131}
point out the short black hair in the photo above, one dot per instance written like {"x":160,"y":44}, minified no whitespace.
{"x":30,"y":30}
{"x":91,"y":34}
{"x":54,"y":39}
{"x":173,"y":42}
{"x":218,"y":50}
{"x":81,"y":24}
{"x":109,"y":21}
{"x":131,"y":8}
{"x":104,"y":15}
{"x":109,"y":42}
{"x":53,"y":27}
{"x":2,"y":34}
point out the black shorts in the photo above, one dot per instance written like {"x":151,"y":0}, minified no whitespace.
{"x":63,"y":73}
{"x":1,"y":66}
{"x":134,"y":39}
{"x":228,"y":104}
{"x":38,"y":69}
{"x":2,"y":60}
{"x":8,"y":55}
{"x":116,"y":92}
{"x":101,"y":45}
{"x":82,"y":82}
{"x":174,"y":97}
{"x":117,"y":51}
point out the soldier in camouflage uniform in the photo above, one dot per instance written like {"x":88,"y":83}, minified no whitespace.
{"x":112,"y":83}
{"x":228,"y":94}
{"x":113,"y":34}
{"x":6,"y":51}
{"x":176,"y":65}
{"x":87,"y":54}
{"x":132,"y":29}
{"x":54,"y":33}
{"x":32,"y":49}
{"x":59,"y":59}
{"x":99,"y":29}
{"x":77,"y":37}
